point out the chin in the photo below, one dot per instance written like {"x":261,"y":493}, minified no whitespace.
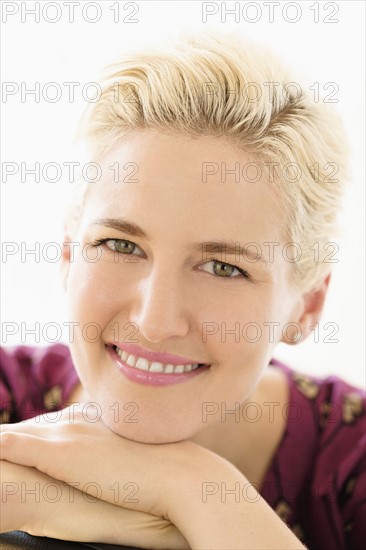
{"x":151,"y":440}
{"x":150,"y":434}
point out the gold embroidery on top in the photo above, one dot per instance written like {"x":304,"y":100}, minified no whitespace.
{"x":53,"y":398}
{"x":306,"y":385}
{"x":283,"y":510}
{"x":4,"y":417}
{"x":351,"y":407}
{"x":298,"y":531}
{"x":350,"y":486}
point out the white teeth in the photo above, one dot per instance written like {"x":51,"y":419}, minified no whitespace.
{"x":131,"y":360}
{"x":156,"y":367}
{"x":143,"y":364}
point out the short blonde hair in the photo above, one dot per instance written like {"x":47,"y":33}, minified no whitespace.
{"x":219,"y":84}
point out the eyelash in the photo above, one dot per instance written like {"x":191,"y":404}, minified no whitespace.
{"x":244,"y":273}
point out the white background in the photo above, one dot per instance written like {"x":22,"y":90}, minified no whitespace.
{"x":43,"y":132}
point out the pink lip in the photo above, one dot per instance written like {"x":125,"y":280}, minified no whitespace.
{"x":165,"y":358}
{"x":152,"y":378}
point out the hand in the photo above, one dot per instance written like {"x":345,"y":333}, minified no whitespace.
{"x":41,"y":506}
{"x":97,"y":458}
{"x":107,"y":466}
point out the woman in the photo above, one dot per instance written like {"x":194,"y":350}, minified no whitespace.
{"x":185,"y":262}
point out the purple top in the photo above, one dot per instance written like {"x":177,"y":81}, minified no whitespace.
{"x":316,"y":481}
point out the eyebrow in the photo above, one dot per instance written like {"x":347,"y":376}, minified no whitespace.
{"x":230,"y":248}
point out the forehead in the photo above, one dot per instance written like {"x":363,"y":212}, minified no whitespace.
{"x":204,"y":183}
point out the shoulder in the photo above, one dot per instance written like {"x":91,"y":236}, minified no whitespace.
{"x":332,"y":401}
{"x":325,"y":447}
{"x":332,"y":412}
{"x":34,"y":380}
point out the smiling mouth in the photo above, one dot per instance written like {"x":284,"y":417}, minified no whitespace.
{"x":145,"y":365}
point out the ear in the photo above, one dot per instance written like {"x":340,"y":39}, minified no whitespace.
{"x":66,"y":260}
{"x":309,"y":313}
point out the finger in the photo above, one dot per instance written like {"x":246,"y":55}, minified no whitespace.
{"x":30,"y":429}
{"x":61,"y":460}
{"x":56,"y":458}
{"x":36,"y":425}
{"x":26,"y":449}
{"x":45,"y":419}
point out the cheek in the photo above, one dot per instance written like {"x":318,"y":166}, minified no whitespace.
{"x":242,"y":320}
{"x":95,"y":293}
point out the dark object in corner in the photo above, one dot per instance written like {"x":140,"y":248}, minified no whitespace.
{"x":18,"y":540}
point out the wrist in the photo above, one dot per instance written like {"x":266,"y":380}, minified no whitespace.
{"x":215,"y":506}
{"x":201,"y":474}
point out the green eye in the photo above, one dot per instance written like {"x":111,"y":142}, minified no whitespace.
{"x":122,"y":246}
{"x":224,"y":269}
{"x":220,"y":269}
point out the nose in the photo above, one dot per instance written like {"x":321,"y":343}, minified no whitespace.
{"x":159,"y":308}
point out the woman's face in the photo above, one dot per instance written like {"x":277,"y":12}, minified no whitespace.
{"x":164,"y":293}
